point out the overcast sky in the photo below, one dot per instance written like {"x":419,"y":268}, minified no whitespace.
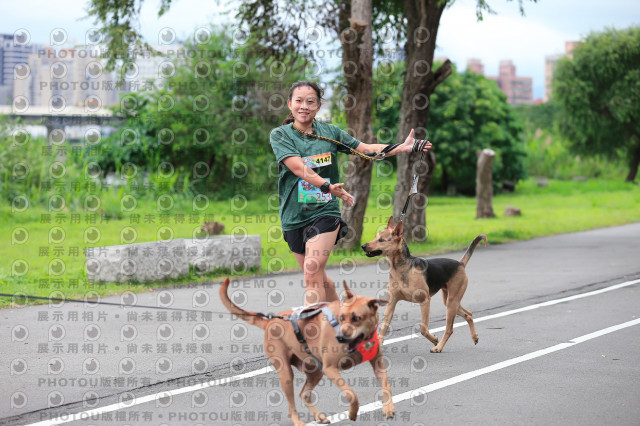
{"x":507,"y":35}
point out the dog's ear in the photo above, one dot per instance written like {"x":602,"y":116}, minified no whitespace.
{"x":348,"y":294}
{"x":390,"y":223}
{"x":397,"y":232}
{"x":374,"y":303}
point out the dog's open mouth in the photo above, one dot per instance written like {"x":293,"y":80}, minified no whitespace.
{"x":351,"y":344}
{"x":373,"y":253}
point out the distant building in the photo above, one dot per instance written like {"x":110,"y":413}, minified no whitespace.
{"x":66,"y":77}
{"x":14,"y":51}
{"x":156,"y":69}
{"x":550,"y":66}
{"x":475,"y":65}
{"x":76,"y":76}
{"x":519,"y":90}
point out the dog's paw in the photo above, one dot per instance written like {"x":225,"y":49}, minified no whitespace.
{"x":435,"y":350}
{"x":475,"y":340}
{"x":322,"y":419}
{"x":353,"y":413}
{"x":389,"y":411}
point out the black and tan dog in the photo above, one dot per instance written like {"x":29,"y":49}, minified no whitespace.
{"x":342,"y":335}
{"x":415,"y":280}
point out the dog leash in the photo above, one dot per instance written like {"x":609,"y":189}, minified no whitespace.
{"x":122,"y":305}
{"x":414,"y":190}
{"x":373,"y":156}
{"x":418,"y":146}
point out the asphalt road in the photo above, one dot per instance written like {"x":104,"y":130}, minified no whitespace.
{"x":558,"y":320}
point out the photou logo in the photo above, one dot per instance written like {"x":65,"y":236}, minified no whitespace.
{"x":20,"y":333}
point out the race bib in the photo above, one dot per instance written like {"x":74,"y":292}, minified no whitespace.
{"x":319,"y":160}
{"x":308,"y":193}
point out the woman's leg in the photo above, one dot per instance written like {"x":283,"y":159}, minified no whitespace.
{"x":319,"y":288}
{"x":299,"y":259}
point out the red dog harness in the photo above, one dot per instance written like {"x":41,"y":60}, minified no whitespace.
{"x":369,"y":347}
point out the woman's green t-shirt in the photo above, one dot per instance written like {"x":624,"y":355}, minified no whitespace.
{"x":300,"y":202}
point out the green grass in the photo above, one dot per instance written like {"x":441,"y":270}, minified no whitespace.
{"x":561,"y":207}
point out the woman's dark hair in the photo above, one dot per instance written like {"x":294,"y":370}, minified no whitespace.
{"x":315,"y":86}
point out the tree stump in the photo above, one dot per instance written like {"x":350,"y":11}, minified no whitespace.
{"x":512,"y":211}
{"x":484,"y":184}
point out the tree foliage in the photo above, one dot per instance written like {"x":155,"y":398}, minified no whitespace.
{"x":597,"y":92}
{"x":542,"y":116}
{"x":387,"y":96}
{"x":209,"y":121}
{"x":469,"y":113}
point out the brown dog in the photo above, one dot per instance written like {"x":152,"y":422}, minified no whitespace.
{"x":415,"y":279}
{"x":328,"y":351}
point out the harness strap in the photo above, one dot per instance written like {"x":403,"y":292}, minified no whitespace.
{"x":332,"y":319}
{"x":296,"y":329}
{"x":296,"y":316}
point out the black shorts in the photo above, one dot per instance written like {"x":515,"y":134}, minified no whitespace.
{"x":297,"y":238}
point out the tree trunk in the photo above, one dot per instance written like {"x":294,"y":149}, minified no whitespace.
{"x":357,"y":66}
{"x":423,"y":19}
{"x":484,"y":184}
{"x":633,"y":165}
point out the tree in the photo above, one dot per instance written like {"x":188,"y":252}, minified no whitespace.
{"x":210,"y":120}
{"x":278,"y":25}
{"x":469,"y":112}
{"x":276,"y":29}
{"x":357,"y":66}
{"x":597,"y":91}
{"x":540,"y":117}
{"x":422,"y":19}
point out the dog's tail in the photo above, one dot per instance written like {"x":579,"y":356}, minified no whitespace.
{"x":250,"y":317}
{"x":467,"y":255}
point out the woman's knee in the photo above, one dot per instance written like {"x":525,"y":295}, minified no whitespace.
{"x":314,"y":266}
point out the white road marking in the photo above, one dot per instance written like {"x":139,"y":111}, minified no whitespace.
{"x":150,"y":398}
{"x":517,"y":311}
{"x":86,"y":415}
{"x":491,"y":368}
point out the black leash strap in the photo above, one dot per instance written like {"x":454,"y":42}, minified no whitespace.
{"x":418,"y":146}
{"x":373,"y":156}
{"x":414,"y":185}
{"x":121,"y":305}
{"x":268,"y":316}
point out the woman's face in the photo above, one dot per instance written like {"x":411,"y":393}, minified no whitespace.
{"x":304,"y":104}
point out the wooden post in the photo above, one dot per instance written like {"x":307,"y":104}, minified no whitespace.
{"x":484,"y":184}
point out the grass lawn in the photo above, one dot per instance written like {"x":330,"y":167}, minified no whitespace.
{"x":33,"y":266}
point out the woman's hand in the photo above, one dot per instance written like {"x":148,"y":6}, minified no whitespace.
{"x":409,"y":142}
{"x":339,"y":192}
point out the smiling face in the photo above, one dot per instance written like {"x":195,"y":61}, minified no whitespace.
{"x":304,"y":105}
